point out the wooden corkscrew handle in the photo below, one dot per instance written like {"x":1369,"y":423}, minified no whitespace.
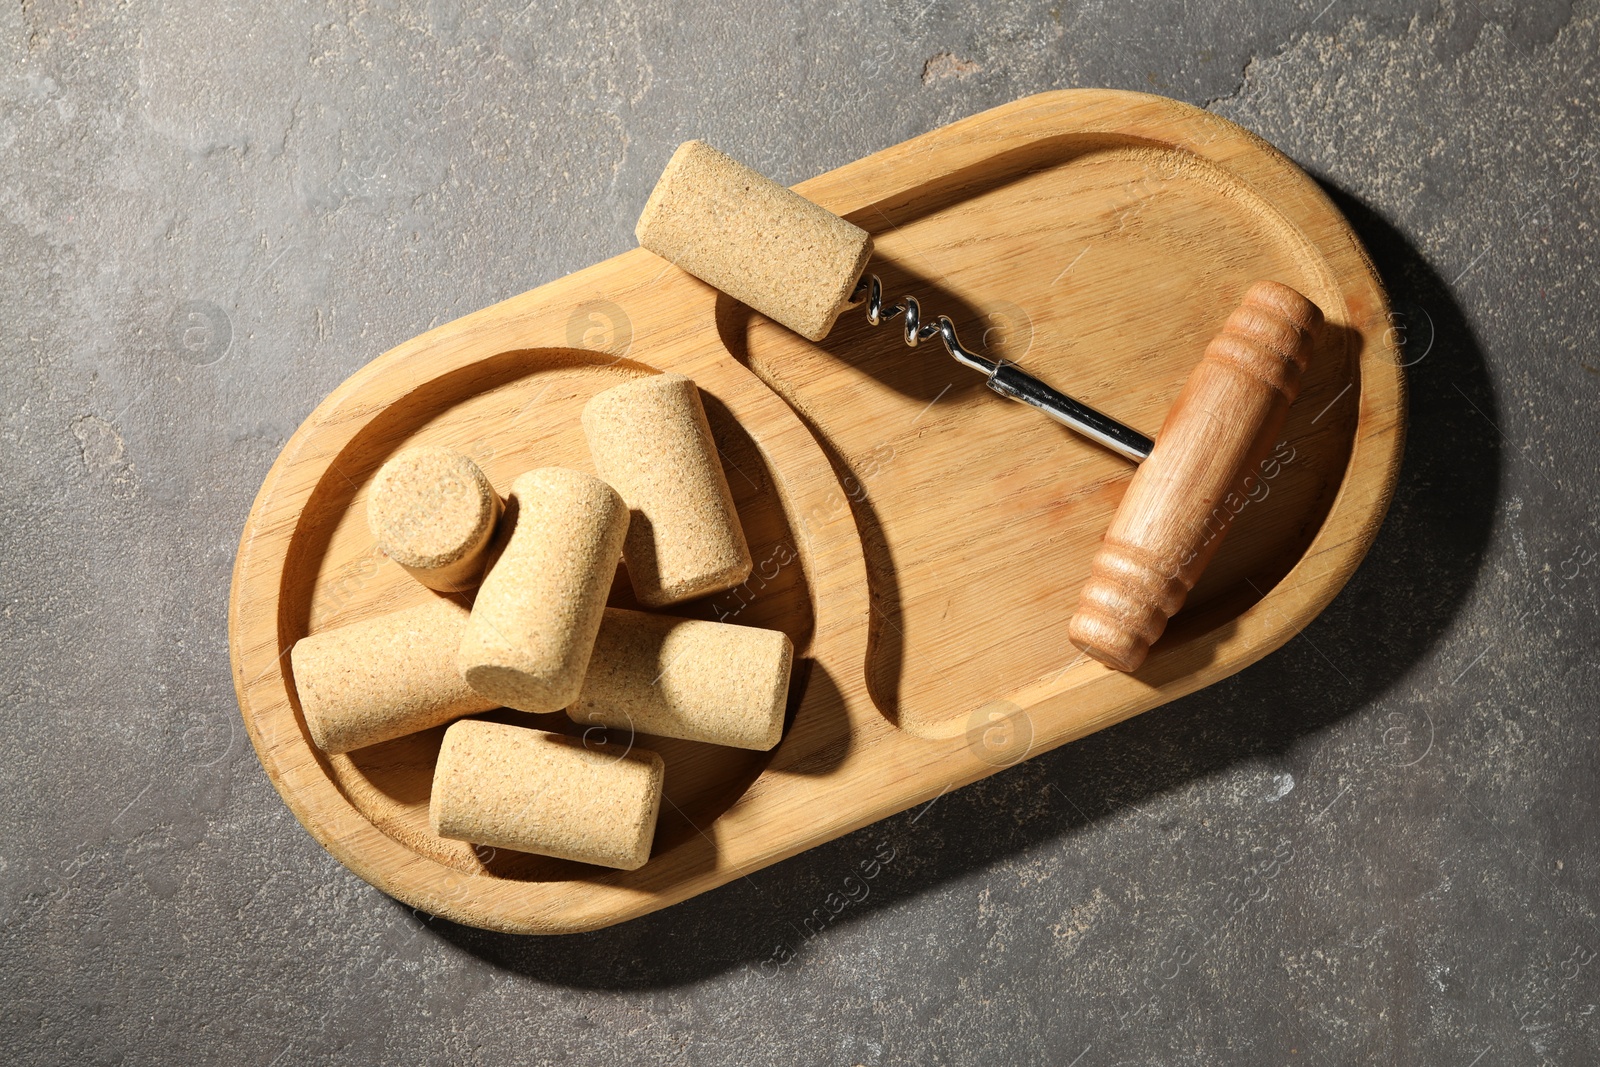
{"x":1184,"y":497}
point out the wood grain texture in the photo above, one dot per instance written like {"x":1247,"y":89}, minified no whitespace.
{"x":920,"y":540}
{"x":1210,"y":460}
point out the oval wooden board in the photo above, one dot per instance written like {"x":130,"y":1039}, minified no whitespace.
{"x":921,"y":540}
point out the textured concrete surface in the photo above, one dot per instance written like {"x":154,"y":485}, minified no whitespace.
{"x":1381,"y":844}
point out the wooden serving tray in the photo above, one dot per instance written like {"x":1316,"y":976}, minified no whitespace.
{"x":921,"y":540}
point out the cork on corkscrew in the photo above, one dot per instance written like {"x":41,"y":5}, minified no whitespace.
{"x":801,"y":265}
{"x":1177,"y":508}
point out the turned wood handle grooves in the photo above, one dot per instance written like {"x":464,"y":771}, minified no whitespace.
{"x":1183,"y":499}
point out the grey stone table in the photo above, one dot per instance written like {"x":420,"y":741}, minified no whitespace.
{"x":1379,"y":845}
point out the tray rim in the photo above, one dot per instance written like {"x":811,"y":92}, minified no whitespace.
{"x":832,"y":550}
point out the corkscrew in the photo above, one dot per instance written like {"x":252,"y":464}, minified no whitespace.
{"x":801,"y":266}
{"x":1005,"y":377}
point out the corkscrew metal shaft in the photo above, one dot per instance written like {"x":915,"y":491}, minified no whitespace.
{"x":1005,"y":378}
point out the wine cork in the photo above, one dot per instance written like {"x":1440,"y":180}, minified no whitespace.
{"x":383,"y":678}
{"x":533,"y":791}
{"x":533,"y":623}
{"x":651,"y":442}
{"x":687,"y":678}
{"x":743,"y":233}
{"x":433,"y":512}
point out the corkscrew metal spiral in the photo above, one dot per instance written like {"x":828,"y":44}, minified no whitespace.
{"x":1005,"y":378}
